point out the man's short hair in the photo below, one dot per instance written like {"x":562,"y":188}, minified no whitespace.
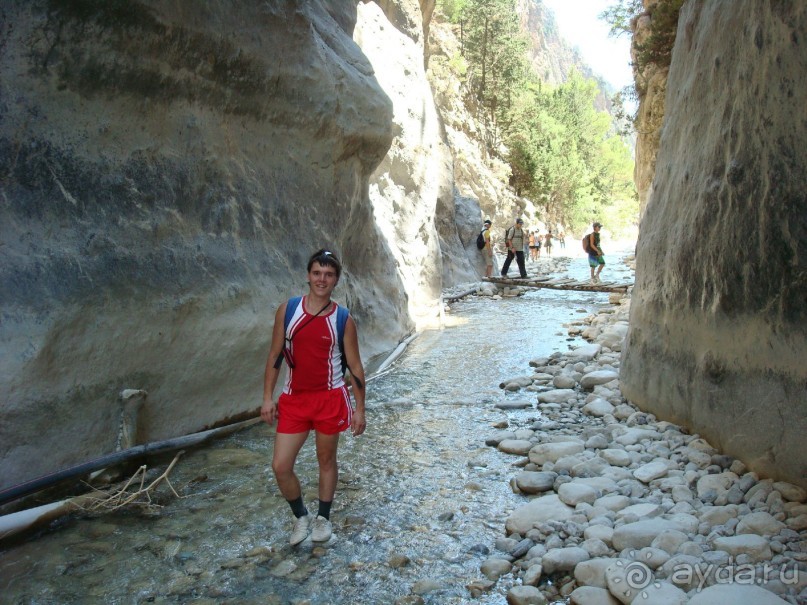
{"x":325,"y":258}
{"x":519,"y":221}
{"x":487,"y":222}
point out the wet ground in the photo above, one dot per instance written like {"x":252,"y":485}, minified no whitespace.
{"x":420,"y":502}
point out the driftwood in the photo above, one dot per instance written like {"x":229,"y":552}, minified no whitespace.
{"x":131,"y":454}
{"x":456,"y":297}
{"x":562,"y":284}
{"x":119,"y":497}
{"x":95,"y":502}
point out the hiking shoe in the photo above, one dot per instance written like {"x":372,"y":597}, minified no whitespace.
{"x":321,"y":529}
{"x":300,"y":531}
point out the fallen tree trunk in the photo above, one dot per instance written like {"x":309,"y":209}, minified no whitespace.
{"x":139,"y":451}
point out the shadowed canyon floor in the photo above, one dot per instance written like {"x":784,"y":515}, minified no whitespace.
{"x":433,"y":500}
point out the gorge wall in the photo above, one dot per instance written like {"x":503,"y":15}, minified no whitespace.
{"x":651,"y":90}
{"x":167,"y":168}
{"x":718,"y":326}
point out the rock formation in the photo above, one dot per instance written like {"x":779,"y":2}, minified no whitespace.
{"x":167,"y":170}
{"x":717,"y":337}
{"x":651,"y":88}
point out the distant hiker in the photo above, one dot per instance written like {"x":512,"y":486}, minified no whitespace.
{"x":533,"y":250}
{"x":487,"y":250}
{"x":514,"y":242}
{"x":596,"y":259}
{"x":548,"y":243}
{"x":317,"y":338}
{"x":562,"y":239}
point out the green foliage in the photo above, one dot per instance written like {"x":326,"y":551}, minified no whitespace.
{"x":620,"y":15}
{"x":564,"y":155}
{"x":452,"y":9}
{"x":624,"y":119}
{"x":495,"y":49}
{"x":657,"y":47}
{"x":458,"y":65}
{"x":570,"y":159}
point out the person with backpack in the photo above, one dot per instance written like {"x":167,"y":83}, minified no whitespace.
{"x":514,"y":242}
{"x":596,"y":259}
{"x":318,"y":340}
{"x":483,"y":244}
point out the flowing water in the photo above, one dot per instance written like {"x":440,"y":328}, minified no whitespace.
{"x":420,"y":501}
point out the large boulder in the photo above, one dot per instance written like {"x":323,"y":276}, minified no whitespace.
{"x":540,"y":510}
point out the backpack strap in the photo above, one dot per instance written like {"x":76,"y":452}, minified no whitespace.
{"x":291,"y":307}
{"x":341,"y":321}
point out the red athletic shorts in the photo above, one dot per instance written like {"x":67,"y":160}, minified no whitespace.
{"x":327,"y":412}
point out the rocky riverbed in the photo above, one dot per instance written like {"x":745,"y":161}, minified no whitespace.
{"x":543,"y":487}
{"x":620,"y":507}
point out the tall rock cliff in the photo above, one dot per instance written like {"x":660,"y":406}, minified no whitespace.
{"x":167,"y":168}
{"x":551,"y":57}
{"x":651,"y":88}
{"x":718,"y":327}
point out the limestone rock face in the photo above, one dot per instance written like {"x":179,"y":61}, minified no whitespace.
{"x":412,"y":189}
{"x":477,"y":176}
{"x":651,"y":86}
{"x":718,"y":334}
{"x":167,"y":170}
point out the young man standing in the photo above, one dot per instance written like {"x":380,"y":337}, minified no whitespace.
{"x":487,"y":251}
{"x":515,"y":248}
{"x":315,"y":395}
{"x":596,"y":259}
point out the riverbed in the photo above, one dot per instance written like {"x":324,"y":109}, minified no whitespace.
{"x":420,"y":501}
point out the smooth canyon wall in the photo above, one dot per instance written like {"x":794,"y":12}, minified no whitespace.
{"x":165,"y":171}
{"x":718,"y":327}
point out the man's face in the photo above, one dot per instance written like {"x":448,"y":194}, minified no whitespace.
{"x":322,"y":279}
{"x":597,"y":228}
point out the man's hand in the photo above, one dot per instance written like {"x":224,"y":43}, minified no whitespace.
{"x":269,"y":412}
{"x":358,"y":424}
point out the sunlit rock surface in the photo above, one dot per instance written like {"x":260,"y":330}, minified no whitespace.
{"x":167,"y":170}
{"x":718,"y":339}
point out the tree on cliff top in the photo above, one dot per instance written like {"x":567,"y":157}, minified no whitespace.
{"x":495,"y":48}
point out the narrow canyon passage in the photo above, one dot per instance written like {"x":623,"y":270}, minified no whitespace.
{"x":421,"y":499}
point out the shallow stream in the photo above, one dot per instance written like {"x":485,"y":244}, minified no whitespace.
{"x":420,"y":502}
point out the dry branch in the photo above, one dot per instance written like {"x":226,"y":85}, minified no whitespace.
{"x":119,"y":497}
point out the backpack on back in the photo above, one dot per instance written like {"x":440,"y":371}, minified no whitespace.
{"x":480,"y":239}
{"x":587,"y":244}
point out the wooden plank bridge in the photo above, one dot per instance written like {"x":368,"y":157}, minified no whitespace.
{"x":561,"y":283}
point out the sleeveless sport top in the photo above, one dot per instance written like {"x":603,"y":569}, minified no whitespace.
{"x":315,"y":350}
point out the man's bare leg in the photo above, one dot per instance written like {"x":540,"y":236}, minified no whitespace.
{"x":287,"y":446}
{"x":328,"y":469}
